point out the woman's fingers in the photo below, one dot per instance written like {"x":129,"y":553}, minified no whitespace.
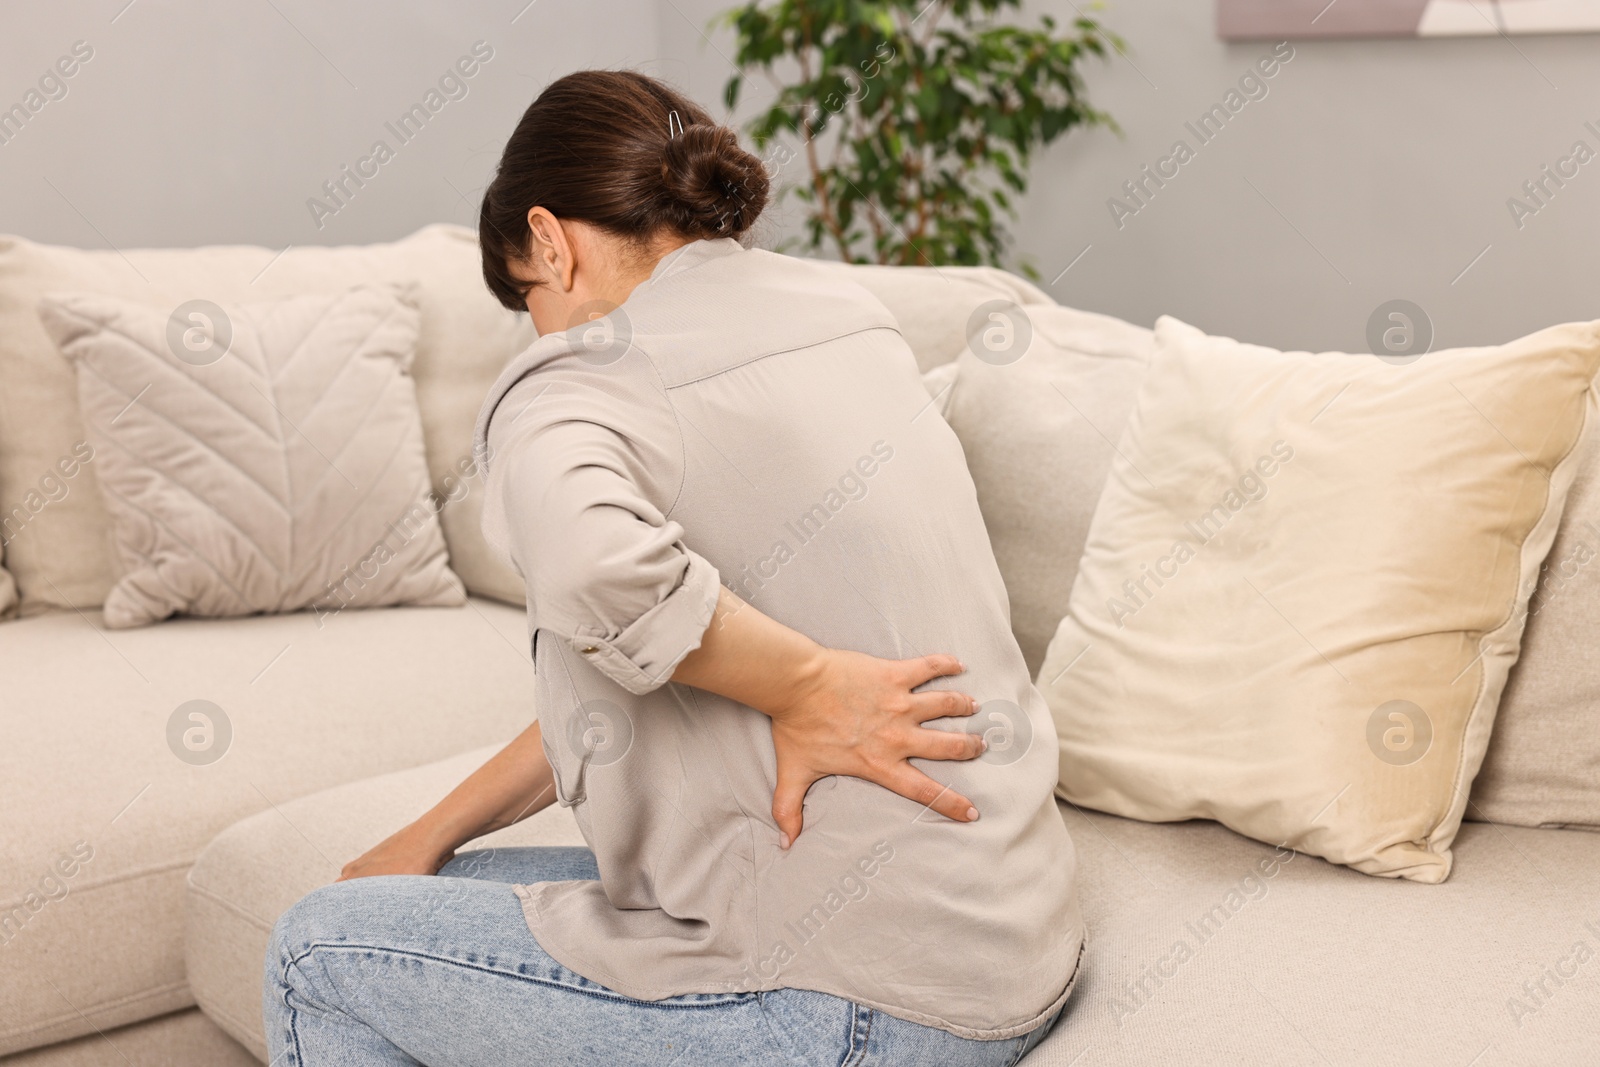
{"x":864,"y":708}
{"x":789,"y":798}
{"x":914,"y":785}
{"x":927,"y":743}
{"x":927,"y":668}
{"x":940,"y":704}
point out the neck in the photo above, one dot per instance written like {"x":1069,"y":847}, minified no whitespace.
{"x":606,"y":273}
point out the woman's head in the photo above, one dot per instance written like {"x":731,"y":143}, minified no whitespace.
{"x":619,"y":152}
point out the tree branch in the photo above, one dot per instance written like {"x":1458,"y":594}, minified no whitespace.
{"x":819,"y":184}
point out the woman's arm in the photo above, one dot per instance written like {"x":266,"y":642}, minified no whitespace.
{"x":516,"y":782}
{"x":833,"y":712}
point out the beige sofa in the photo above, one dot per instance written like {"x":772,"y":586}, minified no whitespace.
{"x":1205,"y":947}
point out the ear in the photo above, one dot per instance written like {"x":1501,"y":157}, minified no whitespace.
{"x":550,"y":250}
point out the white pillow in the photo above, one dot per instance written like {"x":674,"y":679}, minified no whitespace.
{"x":257,"y":458}
{"x":1303,"y":588}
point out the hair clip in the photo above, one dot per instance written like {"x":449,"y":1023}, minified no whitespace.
{"x":673,"y":118}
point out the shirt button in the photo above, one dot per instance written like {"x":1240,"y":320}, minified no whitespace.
{"x":588,"y":650}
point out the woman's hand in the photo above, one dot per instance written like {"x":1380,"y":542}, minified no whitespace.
{"x":515,"y":783}
{"x":857,"y":716}
{"x":407,"y":851}
{"x":833,"y":712}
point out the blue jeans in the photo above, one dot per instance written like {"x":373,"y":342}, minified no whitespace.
{"x":442,"y":971}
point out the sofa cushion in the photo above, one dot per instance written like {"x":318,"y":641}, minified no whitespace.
{"x":934,"y":306}
{"x":182,"y":1039}
{"x":127,"y":751}
{"x":1039,"y":432}
{"x":275,"y":466}
{"x":59,"y":551}
{"x":1543,"y":767}
{"x":1304,"y":585}
{"x":1277,"y":949}
{"x":1208,"y":948}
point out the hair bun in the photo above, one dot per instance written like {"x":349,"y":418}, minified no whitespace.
{"x":711,"y":187}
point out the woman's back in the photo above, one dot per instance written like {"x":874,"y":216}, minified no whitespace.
{"x":767,"y":416}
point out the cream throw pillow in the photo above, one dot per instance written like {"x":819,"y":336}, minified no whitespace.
{"x":1303,"y":588}
{"x":258,"y":458}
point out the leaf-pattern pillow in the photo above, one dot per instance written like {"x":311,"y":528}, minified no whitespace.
{"x":260,"y":457}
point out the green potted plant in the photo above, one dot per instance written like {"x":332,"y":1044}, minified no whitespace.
{"x":915,"y":120}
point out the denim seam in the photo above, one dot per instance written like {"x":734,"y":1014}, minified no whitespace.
{"x":283,"y":994}
{"x":601,"y":994}
{"x":294,"y":1016}
{"x":858,"y":1056}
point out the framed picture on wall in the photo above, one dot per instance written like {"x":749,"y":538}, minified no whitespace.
{"x":1245,"y":20}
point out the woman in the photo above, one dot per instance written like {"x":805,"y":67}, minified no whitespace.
{"x":749,"y":547}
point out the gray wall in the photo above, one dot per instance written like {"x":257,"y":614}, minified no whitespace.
{"x":204,"y":121}
{"x":1371,"y":171}
{"x":1380,"y":170}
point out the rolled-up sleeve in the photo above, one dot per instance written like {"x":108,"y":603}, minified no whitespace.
{"x":578,"y":506}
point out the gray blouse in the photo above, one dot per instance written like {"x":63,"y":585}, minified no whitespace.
{"x":754,"y":420}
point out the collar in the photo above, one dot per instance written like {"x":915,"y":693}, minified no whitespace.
{"x":691,"y":255}
{"x":554,"y":345}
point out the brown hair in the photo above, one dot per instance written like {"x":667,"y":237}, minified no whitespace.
{"x":624,"y":152}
